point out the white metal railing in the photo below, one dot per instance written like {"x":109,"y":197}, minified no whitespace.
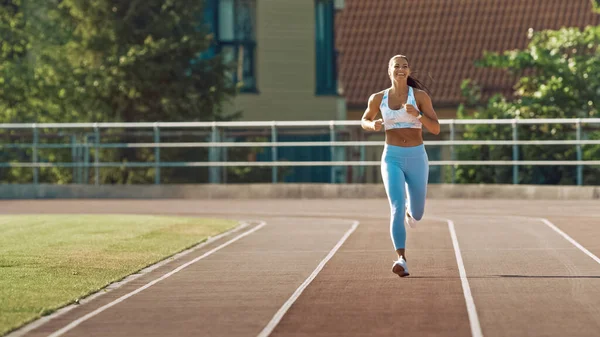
{"x":213,"y":143}
{"x":237,"y":124}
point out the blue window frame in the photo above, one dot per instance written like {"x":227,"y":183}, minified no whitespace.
{"x":233,"y":24}
{"x":326,"y":73}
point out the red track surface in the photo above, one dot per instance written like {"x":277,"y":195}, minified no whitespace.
{"x":524,"y":277}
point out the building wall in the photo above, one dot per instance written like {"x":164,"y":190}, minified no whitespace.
{"x":285,"y":67}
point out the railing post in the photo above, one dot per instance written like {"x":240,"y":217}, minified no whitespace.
{"x":36,"y":169}
{"x":274,"y":177}
{"x":156,"y":154}
{"x":515,"y":152}
{"x":332,"y":150}
{"x":213,"y":156}
{"x":363,"y":157}
{"x":78,"y":165}
{"x":73,"y":157}
{"x":96,"y":155}
{"x":452,"y":156}
{"x":86,"y":160}
{"x":579,"y":153}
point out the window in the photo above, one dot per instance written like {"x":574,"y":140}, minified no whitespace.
{"x":325,"y":48}
{"x":233,"y":23}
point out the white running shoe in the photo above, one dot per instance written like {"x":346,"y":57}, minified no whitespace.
{"x":400,"y":268}
{"x":410,"y":221}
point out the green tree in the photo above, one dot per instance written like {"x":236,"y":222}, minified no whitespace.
{"x":13,"y":60}
{"x":558,"y":77}
{"x":109,"y":61}
{"x":596,"y":5}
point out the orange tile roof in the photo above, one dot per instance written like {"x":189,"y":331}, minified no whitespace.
{"x":441,"y":38}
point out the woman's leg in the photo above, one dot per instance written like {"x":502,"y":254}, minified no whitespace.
{"x":393,"y":180}
{"x":417,"y":175}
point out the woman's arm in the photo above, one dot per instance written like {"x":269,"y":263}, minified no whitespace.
{"x":429,"y":119}
{"x":371,"y":112}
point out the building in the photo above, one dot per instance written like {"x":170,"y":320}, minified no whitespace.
{"x":442,"y":39}
{"x":286,"y":55}
{"x":285,"y":50}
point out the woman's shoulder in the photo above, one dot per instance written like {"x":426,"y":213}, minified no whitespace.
{"x":377,"y":96}
{"x":420,"y":94}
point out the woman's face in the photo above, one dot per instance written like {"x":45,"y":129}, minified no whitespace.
{"x":398,"y":69}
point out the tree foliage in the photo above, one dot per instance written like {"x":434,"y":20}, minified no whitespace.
{"x":558,"y":77}
{"x":108,"y":61}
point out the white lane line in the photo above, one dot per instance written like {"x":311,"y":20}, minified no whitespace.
{"x":116,"y":285}
{"x":148,"y":285}
{"x":471,"y":310}
{"x":570,"y":239}
{"x":286,"y":306}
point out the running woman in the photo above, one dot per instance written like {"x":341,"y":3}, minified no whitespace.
{"x":405,"y":108}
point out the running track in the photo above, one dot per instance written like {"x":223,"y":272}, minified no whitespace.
{"x":322,"y":268}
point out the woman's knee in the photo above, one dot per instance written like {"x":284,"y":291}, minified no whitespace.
{"x":417,"y":214}
{"x":397,"y":208}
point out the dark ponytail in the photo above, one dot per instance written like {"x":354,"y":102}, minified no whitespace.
{"x":411,"y":81}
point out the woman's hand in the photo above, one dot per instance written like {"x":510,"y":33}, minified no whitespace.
{"x":368,"y":121}
{"x":411,"y":110}
{"x":430,"y":119}
{"x":377,"y":124}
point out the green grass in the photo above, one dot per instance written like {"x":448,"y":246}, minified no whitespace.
{"x":49,"y":261}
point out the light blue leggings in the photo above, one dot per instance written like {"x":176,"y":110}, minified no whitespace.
{"x":400,"y":167}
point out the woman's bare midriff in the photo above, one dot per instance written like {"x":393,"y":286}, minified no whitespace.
{"x":404,"y":137}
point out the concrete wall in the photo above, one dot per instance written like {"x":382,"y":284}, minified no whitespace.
{"x":299,"y":191}
{"x":285,"y":67}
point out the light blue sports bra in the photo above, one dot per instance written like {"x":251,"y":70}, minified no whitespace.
{"x":396,"y":119}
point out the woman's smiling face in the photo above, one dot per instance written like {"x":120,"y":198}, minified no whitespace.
{"x":398,"y":69}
